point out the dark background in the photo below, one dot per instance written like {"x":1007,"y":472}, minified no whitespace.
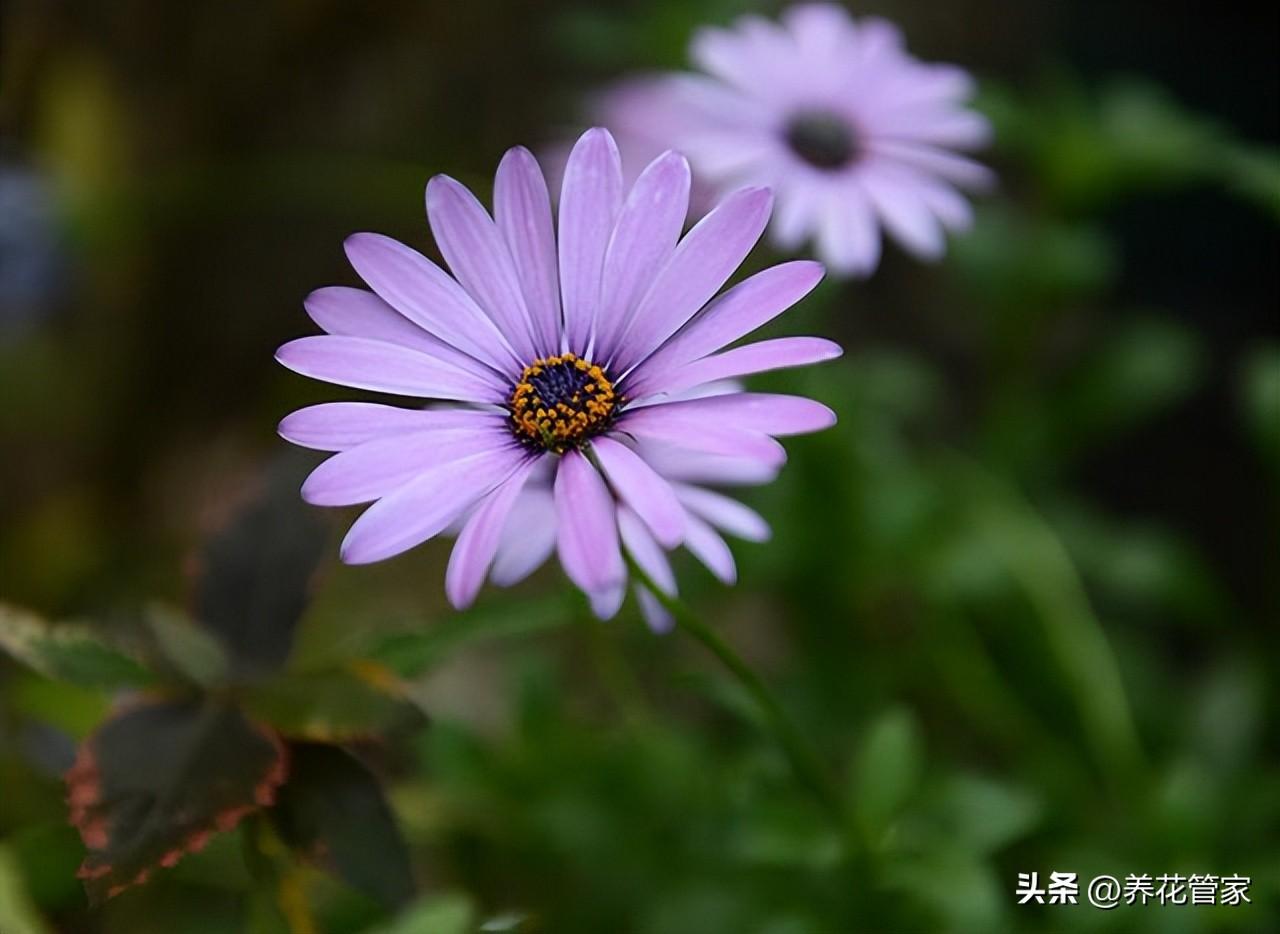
{"x":1093,"y":374}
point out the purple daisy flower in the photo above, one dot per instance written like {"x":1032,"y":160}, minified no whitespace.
{"x":591,"y":401}
{"x":850,"y":131}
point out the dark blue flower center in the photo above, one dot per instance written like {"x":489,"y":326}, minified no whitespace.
{"x":562,"y":401}
{"x":822,"y":139}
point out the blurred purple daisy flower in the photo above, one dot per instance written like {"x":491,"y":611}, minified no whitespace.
{"x":849,"y":130}
{"x":593,"y":401}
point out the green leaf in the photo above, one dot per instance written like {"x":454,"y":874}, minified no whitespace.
{"x":158,"y":780}
{"x":1146,"y":366}
{"x":255,"y":576}
{"x":332,"y":809}
{"x":888,"y":770}
{"x":363,"y":699}
{"x":191,"y":653}
{"x":413,"y":652}
{"x":451,"y":913}
{"x":978,"y":815}
{"x":17,"y":914}
{"x":68,"y":652}
{"x":1261,"y":391}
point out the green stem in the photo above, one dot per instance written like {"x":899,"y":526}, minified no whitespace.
{"x":808,"y":767}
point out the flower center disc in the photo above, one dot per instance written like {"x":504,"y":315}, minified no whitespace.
{"x":561,"y":402}
{"x":823,"y":140}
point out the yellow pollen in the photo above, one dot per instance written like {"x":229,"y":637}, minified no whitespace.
{"x":561,"y":401}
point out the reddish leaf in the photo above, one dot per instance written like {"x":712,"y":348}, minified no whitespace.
{"x":156,"y":781}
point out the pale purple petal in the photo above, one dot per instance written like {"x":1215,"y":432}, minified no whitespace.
{"x":336,"y":426}
{"x":422,"y":291}
{"x":705,"y":544}
{"x":644,"y":548}
{"x":776,"y":354}
{"x":724,"y":513}
{"x":376,"y":468}
{"x":348,"y":312}
{"x":646,"y":235}
{"x":382,"y":367}
{"x":588,"y":537}
{"x":479,"y":259}
{"x":933,"y":126}
{"x":696,"y":467}
{"x":528,"y":539}
{"x":606,"y":603}
{"x":638,"y":485}
{"x":959,"y":170}
{"x":522,"y":210}
{"x":424,"y":507}
{"x":478,"y":541}
{"x":655,"y":614}
{"x":701,"y":264}
{"x":589,"y":202}
{"x":847,"y":236}
{"x":739,"y":311}
{"x":799,"y":205}
{"x":701,"y":431}
{"x":904,"y":214}
{"x":768,"y":413}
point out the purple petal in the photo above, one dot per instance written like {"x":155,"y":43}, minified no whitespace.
{"x":759,"y":357}
{"x":705,"y":544}
{"x":646,"y":551}
{"x":478,"y":542}
{"x":588,"y":538}
{"x":768,"y":413}
{"x":422,"y":292}
{"x":383,"y":367}
{"x":697,"y":467}
{"x":654,"y":613}
{"x":960,"y":170}
{"x":606,"y":603}
{"x":643,"y":240}
{"x":336,"y":426}
{"x":724,"y":513}
{"x":347,"y":312}
{"x":522,"y":209}
{"x":638,"y":485}
{"x":738,"y":312}
{"x":376,"y":468}
{"x":479,"y":259}
{"x":705,"y":258}
{"x":701,"y":431}
{"x":423,"y":508}
{"x":904,"y":214}
{"x":847,"y":235}
{"x":589,"y":201}
{"x":528,"y":539}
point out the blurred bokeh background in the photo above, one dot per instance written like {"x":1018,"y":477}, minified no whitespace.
{"x":1024,"y":597}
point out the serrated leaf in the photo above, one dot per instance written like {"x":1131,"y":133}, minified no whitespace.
{"x":68,"y":652}
{"x":158,"y":780}
{"x":332,"y":810}
{"x":255,"y":575}
{"x":361,"y":700}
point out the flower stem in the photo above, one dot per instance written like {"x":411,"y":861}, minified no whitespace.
{"x":805,"y":762}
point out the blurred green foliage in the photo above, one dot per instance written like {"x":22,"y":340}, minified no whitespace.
{"x":1023,"y":597}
